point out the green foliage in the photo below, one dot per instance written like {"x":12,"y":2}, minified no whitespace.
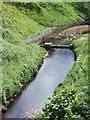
{"x":51,"y":14}
{"x":61,"y":105}
{"x":46,"y":14}
{"x":20,"y":60}
{"x":71,"y":98}
{"x":19,"y":65}
{"x":18,"y":22}
{"x":6,"y":23}
{"x":83,"y":9}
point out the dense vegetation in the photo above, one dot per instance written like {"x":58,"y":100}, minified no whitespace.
{"x":20,"y":21}
{"x":71,"y":98}
{"x":46,"y":13}
{"x":20,"y":60}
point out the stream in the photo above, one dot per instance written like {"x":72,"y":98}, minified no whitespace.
{"x":52,"y":72}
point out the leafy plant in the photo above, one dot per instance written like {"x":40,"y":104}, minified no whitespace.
{"x":71,"y":100}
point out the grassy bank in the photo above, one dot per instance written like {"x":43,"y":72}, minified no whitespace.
{"x":71,"y":98}
{"x":20,"y":21}
{"x":20,"y":60}
{"x":46,"y":13}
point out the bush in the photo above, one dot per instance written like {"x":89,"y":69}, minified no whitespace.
{"x":71,"y":100}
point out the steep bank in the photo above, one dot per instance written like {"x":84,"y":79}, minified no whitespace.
{"x":71,"y":98}
{"x":19,"y":21}
{"x":20,"y":60}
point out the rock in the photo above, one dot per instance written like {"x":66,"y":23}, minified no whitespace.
{"x":32,"y":114}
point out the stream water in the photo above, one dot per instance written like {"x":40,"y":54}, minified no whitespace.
{"x":53,"y":71}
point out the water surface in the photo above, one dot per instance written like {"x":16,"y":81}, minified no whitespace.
{"x":52,"y":72}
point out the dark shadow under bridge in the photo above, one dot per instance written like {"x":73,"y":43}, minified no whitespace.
{"x":49,"y":46}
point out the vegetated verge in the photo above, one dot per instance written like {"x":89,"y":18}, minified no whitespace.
{"x":21,"y":20}
{"x":71,"y":98}
{"x":20,"y":60}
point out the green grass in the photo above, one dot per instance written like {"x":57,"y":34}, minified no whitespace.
{"x":71,"y":98}
{"x":19,"y":65}
{"x":19,"y":22}
{"x":20,"y":59}
{"x":50,"y":14}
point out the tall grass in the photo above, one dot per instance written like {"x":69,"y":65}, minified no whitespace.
{"x":20,"y":21}
{"x":20,"y":60}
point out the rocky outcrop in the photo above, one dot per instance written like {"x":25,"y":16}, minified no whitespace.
{"x":51,"y":31}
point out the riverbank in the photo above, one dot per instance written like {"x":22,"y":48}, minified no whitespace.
{"x":36,"y":94}
{"x":71,"y":98}
{"x":20,"y":60}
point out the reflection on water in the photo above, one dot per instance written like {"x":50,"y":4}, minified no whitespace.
{"x":52,"y":72}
